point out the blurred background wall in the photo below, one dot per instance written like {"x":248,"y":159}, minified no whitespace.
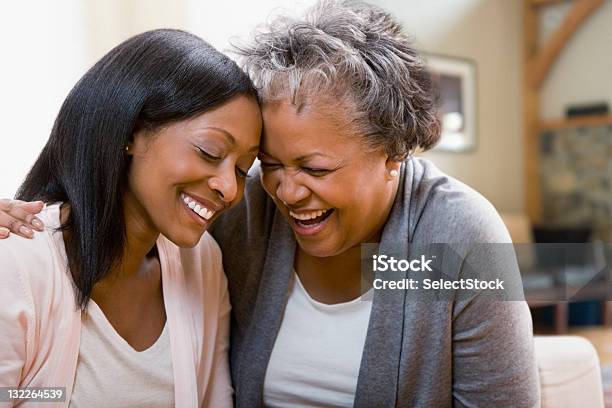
{"x":583,"y":72}
{"x":44,"y":52}
{"x":488,"y":32}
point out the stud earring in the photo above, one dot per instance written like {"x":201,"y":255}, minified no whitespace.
{"x":127,"y":148}
{"x":393,"y":173}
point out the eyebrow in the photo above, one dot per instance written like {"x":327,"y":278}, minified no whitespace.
{"x":227,"y":134}
{"x":308,"y":156}
{"x":230,"y":137}
{"x":301,"y":158}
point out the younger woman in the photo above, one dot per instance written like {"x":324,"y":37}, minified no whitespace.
{"x":122,"y":299}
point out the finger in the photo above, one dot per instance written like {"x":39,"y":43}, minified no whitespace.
{"x":37,"y":224}
{"x":4,"y":232}
{"x":15,"y":226}
{"x":33,"y":207}
{"x":7,"y":204}
{"x":34,"y":222}
{"x":22,"y":212}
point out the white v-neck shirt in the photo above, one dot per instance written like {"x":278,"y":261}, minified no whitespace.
{"x":110,"y":373}
{"x":317,"y":354}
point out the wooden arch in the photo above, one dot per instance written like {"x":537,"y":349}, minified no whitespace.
{"x":537,"y":62}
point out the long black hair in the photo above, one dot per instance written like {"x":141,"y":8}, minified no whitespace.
{"x":149,"y":80}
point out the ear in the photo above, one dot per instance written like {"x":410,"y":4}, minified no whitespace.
{"x":129,"y":149}
{"x":393,"y":168}
{"x":136,"y":139}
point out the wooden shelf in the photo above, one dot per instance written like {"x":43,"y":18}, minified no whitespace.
{"x":582,"y":121}
{"x":539,"y":3}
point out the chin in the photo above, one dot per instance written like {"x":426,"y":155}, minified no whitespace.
{"x":318,"y":249}
{"x":185,"y":240}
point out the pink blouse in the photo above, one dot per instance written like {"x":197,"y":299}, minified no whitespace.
{"x":40,"y":324}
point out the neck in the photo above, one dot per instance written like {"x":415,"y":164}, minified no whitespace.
{"x":334,"y":279}
{"x":137,"y":277}
{"x":141,"y":236}
{"x":343,"y":264}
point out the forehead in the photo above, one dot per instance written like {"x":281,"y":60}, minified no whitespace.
{"x":298,"y":129}
{"x":239,"y":117}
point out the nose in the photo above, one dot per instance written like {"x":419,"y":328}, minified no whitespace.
{"x":225,"y":184}
{"x":291,"y":191}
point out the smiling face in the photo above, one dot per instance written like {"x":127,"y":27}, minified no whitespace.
{"x":185,"y":173}
{"x":334,"y":191}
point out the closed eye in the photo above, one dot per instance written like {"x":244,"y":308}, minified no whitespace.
{"x":316,"y":172}
{"x":242,"y":173}
{"x":208,"y":156}
{"x":269,"y":166}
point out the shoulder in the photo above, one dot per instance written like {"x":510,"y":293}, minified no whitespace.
{"x":449,"y":209}
{"x":208,"y":249}
{"x":29,"y":267}
{"x":203,"y":263}
{"x":34,"y":258}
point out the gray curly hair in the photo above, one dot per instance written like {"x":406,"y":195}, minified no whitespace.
{"x":353,"y":53}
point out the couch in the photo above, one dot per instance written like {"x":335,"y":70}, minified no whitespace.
{"x":569,"y":372}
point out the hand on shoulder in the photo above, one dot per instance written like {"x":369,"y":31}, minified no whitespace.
{"x":18,"y":217}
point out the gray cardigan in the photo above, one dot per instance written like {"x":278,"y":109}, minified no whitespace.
{"x":417,"y":354}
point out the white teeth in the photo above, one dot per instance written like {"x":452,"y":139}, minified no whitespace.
{"x":307,"y":216}
{"x":197,"y":208}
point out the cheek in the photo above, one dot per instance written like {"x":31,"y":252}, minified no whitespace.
{"x":140,"y":176}
{"x":353,"y":190}
{"x":148,"y":174}
{"x":360,"y":200}
{"x":154,"y":175}
{"x":269,"y":181}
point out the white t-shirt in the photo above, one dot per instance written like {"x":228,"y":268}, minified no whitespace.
{"x":110,"y":373}
{"x":317,"y":354}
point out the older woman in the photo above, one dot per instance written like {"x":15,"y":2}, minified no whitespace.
{"x":345,"y":102}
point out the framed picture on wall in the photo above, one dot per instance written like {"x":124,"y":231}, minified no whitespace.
{"x":455,"y":82}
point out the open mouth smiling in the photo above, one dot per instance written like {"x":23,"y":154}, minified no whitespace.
{"x":308,"y":222}
{"x":197,"y":207}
